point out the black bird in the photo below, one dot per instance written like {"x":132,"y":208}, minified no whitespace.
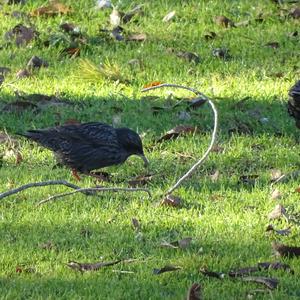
{"x":89,"y":146}
{"x":294,"y":102}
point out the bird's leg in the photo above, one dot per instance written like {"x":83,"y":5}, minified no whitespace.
{"x":75,"y":174}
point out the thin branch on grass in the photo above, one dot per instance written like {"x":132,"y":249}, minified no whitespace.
{"x":286,"y":177}
{"x":102,"y":189}
{"x":214,"y":133}
{"x":38,"y":184}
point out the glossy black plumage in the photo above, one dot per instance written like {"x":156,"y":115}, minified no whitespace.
{"x":294,"y":102}
{"x":89,"y":146}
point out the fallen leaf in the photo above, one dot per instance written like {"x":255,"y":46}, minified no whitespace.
{"x":137,"y":37}
{"x":243,"y":23}
{"x":224,"y":21}
{"x":167,"y":268}
{"x":208,"y":273}
{"x":36,"y":63}
{"x":275,"y":174}
{"x":19,"y":158}
{"x":285,"y":251}
{"x":154,"y":83}
{"x":222,"y":53}
{"x":183,"y":243}
{"x":210,"y":35}
{"x":169,"y":16}
{"x":277,"y":212}
{"x":166,"y":244}
{"x":270,"y":283}
{"x":275,"y":266}
{"x":194,"y":292}
{"x":295,"y":13}
{"x":23,"y":73}
{"x":215,"y":176}
{"x":171,"y":200}
{"x":83,"y":267}
{"x":189,"y":56}
{"x":274,"y":45}
{"x":178,"y":131}
{"x":22,"y":34}
{"x":72,"y":52}
{"x":115,"y":18}
{"x":54,"y":8}
{"x":24,"y":269}
{"x":136,"y":224}
{"x":243,"y":271}
{"x":276,"y":194}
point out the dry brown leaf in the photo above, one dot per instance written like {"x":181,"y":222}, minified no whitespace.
{"x":137,"y":37}
{"x":169,"y":16}
{"x":54,"y":8}
{"x":36,"y":63}
{"x":23,"y":73}
{"x":194,"y":292}
{"x":285,"y":251}
{"x":215,"y":176}
{"x":167,"y":268}
{"x":71,"y":52}
{"x":276,"y":194}
{"x":178,"y":131}
{"x":295,"y":13}
{"x":277,"y":212}
{"x":115,"y":18}
{"x":136,"y":224}
{"x":154,"y":83}
{"x":210,"y":35}
{"x":275,"y":174}
{"x":171,"y":200}
{"x":189,"y":56}
{"x":270,"y":283}
{"x":83,"y":267}
{"x":224,"y":21}
{"x":22,"y":34}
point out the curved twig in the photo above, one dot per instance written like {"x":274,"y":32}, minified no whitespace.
{"x":214,"y":133}
{"x":102,"y":189}
{"x":38,"y":184}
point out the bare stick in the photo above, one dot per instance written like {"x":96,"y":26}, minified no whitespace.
{"x":213,"y":138}
{"x":102,"y":189}
{"x":38,"y":184}
{"x":286,"y":177}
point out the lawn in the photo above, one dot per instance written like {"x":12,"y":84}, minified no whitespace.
{"x":224,"y":206}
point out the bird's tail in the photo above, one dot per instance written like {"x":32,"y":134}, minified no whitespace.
{"x":35,"y":135}
{"x":294,"y":103}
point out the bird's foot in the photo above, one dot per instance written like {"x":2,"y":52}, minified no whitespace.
{"x":75,"y":174}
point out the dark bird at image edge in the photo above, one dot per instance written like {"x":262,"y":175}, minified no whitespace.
{"x":89,"y":146}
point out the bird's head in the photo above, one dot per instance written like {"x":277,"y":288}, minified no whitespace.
{"x":132,"y":143}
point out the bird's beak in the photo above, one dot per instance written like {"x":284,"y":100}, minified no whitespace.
{"x":144,"y":158}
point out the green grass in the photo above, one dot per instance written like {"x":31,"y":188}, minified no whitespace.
{"x":226,"y":219}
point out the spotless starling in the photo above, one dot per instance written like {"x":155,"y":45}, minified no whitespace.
{"x":89,"y":146}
